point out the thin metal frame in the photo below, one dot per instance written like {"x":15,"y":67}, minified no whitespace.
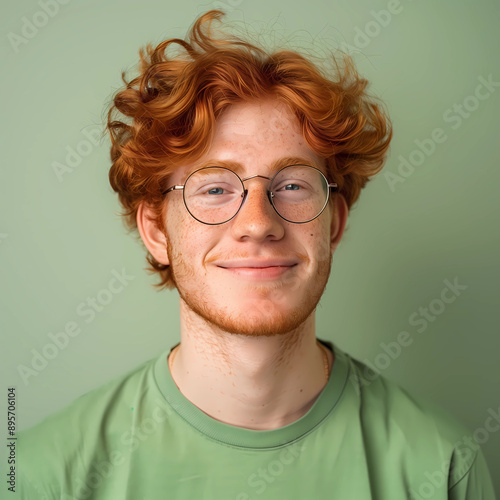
{"x":270,"y":195}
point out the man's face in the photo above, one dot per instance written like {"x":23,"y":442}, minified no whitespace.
{"x":215,"y":268}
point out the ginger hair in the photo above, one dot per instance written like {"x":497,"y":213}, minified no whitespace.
{"x":165,"y":116}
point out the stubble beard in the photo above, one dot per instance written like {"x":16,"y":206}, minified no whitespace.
{"x":264,"y":318}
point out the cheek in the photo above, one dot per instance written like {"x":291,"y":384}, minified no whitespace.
{"x":178,"y":223}
{"x":317,"y":239}
{"x":189,"y":241}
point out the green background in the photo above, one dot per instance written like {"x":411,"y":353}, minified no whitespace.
{"x":60,"y":239}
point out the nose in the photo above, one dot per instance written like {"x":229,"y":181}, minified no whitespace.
{"x":257,"y":219}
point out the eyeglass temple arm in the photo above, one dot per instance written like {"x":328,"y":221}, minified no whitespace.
{"x":171,"y":189}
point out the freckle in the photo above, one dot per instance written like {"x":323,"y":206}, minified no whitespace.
{"x":312,"y":234}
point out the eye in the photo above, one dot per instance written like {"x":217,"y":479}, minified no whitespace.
{"x":216,"y":190}
{"x":290,"y":186}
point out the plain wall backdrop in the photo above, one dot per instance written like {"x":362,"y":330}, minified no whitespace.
{"x":420,"y":254}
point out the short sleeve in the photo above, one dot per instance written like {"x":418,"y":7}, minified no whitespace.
{"x":476,"y":483}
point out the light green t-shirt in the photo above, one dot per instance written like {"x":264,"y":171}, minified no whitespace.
{"x":139,"y":438}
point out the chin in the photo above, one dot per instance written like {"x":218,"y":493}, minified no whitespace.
{"x":255,"y":309}
{"x":254,"y":327}
{"x":256,"y":318}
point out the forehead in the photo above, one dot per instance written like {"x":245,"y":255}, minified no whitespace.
{"x":256,"y":138}
{"x":241,"y":170}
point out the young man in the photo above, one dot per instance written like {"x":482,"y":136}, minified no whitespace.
{"x":238,"y":170}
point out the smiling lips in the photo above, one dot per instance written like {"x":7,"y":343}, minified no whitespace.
{"x":258,"y":269}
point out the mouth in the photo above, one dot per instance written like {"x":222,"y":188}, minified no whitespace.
{"x":259,"y":272}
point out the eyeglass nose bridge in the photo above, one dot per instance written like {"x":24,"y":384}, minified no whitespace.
{"x":270,"y":195}
{"x":256,"y":175}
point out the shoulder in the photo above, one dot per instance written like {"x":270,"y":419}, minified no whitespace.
{"x":425,"y":431}
{"x":82,"y":432}
{"x":104,"y":402}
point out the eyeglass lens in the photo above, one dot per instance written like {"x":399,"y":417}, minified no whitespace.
{"x":213,"y":195}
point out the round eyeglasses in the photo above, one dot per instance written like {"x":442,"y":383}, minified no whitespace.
{"x":214,"y":195}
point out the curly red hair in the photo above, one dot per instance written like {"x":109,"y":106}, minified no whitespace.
{"x":168,"y":114}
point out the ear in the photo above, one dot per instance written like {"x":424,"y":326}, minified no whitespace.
{"x":152,"y":237}
{"x":339,"y":219}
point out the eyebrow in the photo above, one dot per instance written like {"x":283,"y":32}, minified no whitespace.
{"x":238,"y":167}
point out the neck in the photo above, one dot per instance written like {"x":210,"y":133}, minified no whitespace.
{"x":255,"y":382}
